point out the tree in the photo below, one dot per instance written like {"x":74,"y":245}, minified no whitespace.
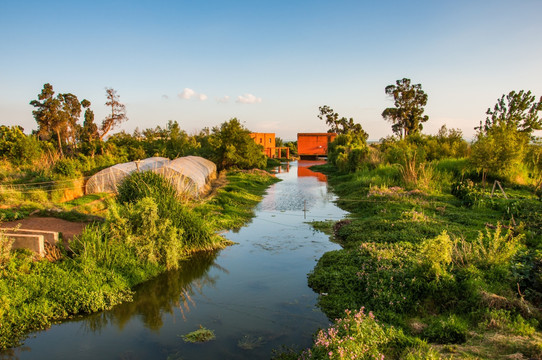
{"x":47,"y":114}
{"x":502,"y":141}
{"x":349,"y":149}
{"x":71,"y":112}
{"x":17,"y":147}
{"x":89,"y":132}
{"x":231,"y":146}
{"x":57,"y":116}
{"x":339,"y":125}
{"x":118,"y":112}
{"x":407,"y":115}
{"x":515,"y":110}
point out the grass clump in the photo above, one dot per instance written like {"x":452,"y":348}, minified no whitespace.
{"x":200,"y":335}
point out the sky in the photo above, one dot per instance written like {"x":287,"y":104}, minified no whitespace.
{"x":270,"y":64}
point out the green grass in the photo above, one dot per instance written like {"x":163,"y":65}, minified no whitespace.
{"x":435,"y":269}
{"x":234,"y":203}
{"x":142,"y":237}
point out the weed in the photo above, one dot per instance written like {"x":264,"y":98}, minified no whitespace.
{"x":200,"y":335}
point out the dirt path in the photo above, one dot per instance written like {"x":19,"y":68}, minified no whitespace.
{"x":67,"y":228}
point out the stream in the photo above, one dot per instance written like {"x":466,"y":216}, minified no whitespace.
{"x":253,"y":295}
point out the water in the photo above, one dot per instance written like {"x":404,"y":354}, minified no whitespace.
{"x":253,"y":295}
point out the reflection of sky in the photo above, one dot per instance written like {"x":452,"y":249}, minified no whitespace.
{"x":257,"y":288}
{"x":295,"y":194}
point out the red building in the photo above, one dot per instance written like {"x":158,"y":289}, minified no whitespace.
{"x":314,"y":144}
{"x":267,"y":140}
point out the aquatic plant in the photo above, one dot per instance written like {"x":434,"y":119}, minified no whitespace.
{"x":250,"y":342}
{"x":200,"y":335}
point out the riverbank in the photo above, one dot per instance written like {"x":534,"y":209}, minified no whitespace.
{"x":444,"y":276}
{"x":140,"y":239}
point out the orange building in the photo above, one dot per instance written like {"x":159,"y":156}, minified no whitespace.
{"x":314,"y":144}
{"x":267,"y":140}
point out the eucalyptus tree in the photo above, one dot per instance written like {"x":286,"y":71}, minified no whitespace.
{"x":407,"y":115}
{"x":117,"y":115}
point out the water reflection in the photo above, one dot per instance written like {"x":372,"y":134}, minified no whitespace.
{"x":304,"y":171}
{"x":161,"y":295}
{"x":259,"y":303}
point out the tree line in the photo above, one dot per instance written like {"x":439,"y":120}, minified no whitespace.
{"x":504,"y":145}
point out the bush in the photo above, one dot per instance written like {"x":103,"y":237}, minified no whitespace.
{"x":137,"y":186}
{"x":360,"y":336}
{"x":436,"y":254}
{"x":17,"y":147}
{"x":469,"y":193}
{"x":447,"y":330}
{"x":68,"y":168}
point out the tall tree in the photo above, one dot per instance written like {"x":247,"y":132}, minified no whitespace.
{"x":339,"y":125}
{"x":118,"y":112}
{"x":48,"y":115}
{"x":518,"y":110}
{"x":407,"y":115}
{"x":89,"y":132}
{"x":71,"y":112}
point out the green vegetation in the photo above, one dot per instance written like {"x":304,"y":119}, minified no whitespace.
{"x":146,"y":231}
{"x":200,"y":335}
{"x":437,"y":269}
{"x":234,"y":203}
{"x":441,"y":269}
{"x":448,"y":265}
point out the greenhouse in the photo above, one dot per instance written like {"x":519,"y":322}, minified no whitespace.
{"x":108,"y":179}
{"x":190,"y":174}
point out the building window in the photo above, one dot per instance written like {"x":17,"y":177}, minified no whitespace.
{"x":270,"y":141}
{"x":261,"y":140}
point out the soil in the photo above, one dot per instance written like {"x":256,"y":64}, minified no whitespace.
{"x":67,"y":228}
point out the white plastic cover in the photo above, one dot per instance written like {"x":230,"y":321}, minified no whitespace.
{"x":190,"y":174}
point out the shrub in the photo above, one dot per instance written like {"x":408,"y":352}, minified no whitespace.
{"x":436,"y":254}
{"x":358,"y":335}
{"x":67,"y":168}
{"x":469,"y":193}
{"x":501,"y":319}
{"x":137,"y":186}
{"x":446,"y":330}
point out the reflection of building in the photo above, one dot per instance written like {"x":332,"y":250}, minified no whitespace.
{"x":314,"y":144}
{"x":304,"y":171}
{"x":267,"y":140}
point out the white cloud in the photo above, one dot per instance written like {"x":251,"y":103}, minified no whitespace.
{"x":223,"y":100}
{"x":187,"y":93}
{"x":248,"y":99}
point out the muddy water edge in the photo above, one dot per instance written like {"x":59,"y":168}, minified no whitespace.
{"x":252,"y":295}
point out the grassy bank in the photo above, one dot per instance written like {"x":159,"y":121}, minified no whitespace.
{"x":441,"y":276}
{"x":147,"y":231}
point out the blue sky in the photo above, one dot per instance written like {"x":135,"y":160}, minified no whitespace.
{"x":269,"y":63}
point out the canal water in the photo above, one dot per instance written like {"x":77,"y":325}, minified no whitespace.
{"x":253,"y":295}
